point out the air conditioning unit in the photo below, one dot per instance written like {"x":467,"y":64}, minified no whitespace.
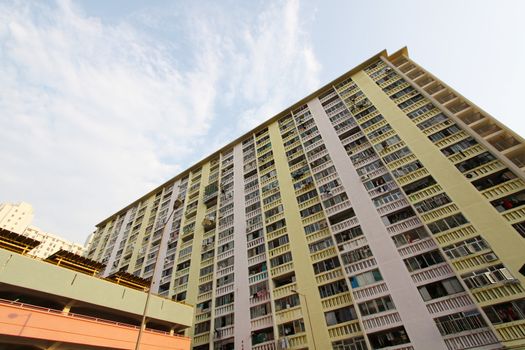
{"x":470,"y":175}
{"x":365,"y":177}
{"x":490,"y":257}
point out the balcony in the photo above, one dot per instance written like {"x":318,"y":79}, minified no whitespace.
{"x":211,"y":193}
{"x":381,"y":321}
{"x":431,"y":90}
{"x":457,"y":107}
{"x":486,"y":129}
{"x":471,"y":117}
{"x":445,"y":97}
{"x":504,"y":142}
{"x":455,"y":302}
{"x":41,"y":325}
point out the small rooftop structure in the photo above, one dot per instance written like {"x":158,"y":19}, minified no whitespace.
{"x":75,"y":262}
{"x":14,"y":242}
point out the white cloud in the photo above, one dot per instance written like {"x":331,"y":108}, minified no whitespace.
{"x":94,"y":114}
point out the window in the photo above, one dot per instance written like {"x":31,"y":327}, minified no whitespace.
{"x":377,"y":182}
{"x":387,"y":198}
{"x":409,"y":237}
{"x":281,"y":259}
{"x":225,"y":263}
{"x":348,"y":235}
{"x":333,"y":288}
{"x":291,"y":328}
{"x":254,"y":235}
{"x":405,"y":91}
{"x":324,"y":173}
{"x":487,"y":276}
{"x":202,"y":327}
{"x":407,"y":169}
{"x":510,"y":202}
{"x":363,"y":156}
{"x":380,"y":131}
{"x":357,"y":343}
{"x":459,"y":322}
{"x":421,"y":111}
{"x":370,"y":122}
{"x":311,"y":210}
{"x":253,"y":207}
{"x":278,"y":242}
{"x":203,"y":288}
{"x":260,"y":310}
{"x":370,"y":167}
{"x":440,"y":289}
{"x":403,"y":152}
{"x":204,"y":306}
{"x":506,"y":312}
{"x":224,"y":299}
{"x":342,"y":315}
{"x":432,"y":203}
{"x":225,"y":247}
{"x":225,"y":280}
{"x":258,"y":268}
{"x":326,"y":265}
{"x":390,"y":337}
{"x":287,"y":302}
{"x":419,"y":185}
{"x":256,"y":250}
{"x":475,"y":162}
{"x":447,"y":223}
{"x":467,"y":247}
{"x":275,"y":226}
{"x":383,"y":145}
{"x":376,"y":305}
{"x":459,"y":146}
{"x":274,"y":211}
{"x":424,"y":260}
{"x":271,"y":198}
{"x":335,"y":200}
{"x":321,"y":244}
{"x":224,"y":321}
{"x":432,"y":121}
{"x":317,"y":226}
{"x":410,"y":101}
{"x":366,"y":278}
{"x":520,"y":227}
{"x":398,"y":216}
{"x":440,"y":135}
{"x":206,"y":270}
{"x":356,"y":255}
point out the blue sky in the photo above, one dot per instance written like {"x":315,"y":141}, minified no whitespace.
{"x":101,"y":101}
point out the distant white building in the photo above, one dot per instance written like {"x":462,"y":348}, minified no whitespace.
{"x":18,"y":218}
{"x":50,"y":243}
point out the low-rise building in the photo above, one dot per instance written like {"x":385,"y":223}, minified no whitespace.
{"x":60,"y":303}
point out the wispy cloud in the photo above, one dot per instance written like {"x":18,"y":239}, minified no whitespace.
{"x":94,"y":114}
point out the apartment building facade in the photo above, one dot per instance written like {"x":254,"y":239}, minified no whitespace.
{"x":383,"y":211}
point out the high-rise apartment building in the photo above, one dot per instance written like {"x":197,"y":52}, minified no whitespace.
{"x":383,"y":211}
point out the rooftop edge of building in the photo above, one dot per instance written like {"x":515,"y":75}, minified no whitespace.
{"x":362,"y":65}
